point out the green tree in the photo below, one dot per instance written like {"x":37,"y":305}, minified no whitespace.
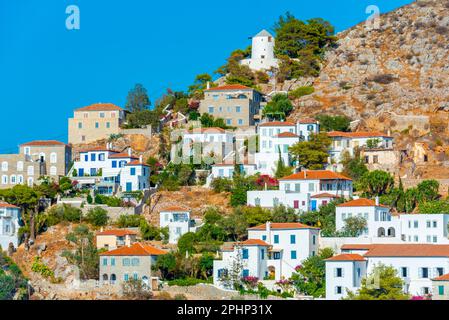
{"x":281,"y":169}
{"x":166,"y":264}
{"x":283,"y":214}
{"x":436,"y":206}
{"x":200,"y":84}
{"x":354,"y":167}
{"x":372,"y":143}
{"x":333,"y":123}
{"x":428,"y":190}
{"x":354,"y":226}
{"x":279,"y":107}
{"x":382,"y":284}
{"x":97,"y":217}
{"x":137,"y":99}
{"x":310,"y":276}
{"x":142,"y":118}
{"x":186,"y":243}
{"x":376,"y":183}
{"x":312,"y":154}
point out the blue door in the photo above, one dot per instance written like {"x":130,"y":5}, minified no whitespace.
{"x":81,"y":173}
{"x":129,"y":186}
{"x":313,"y":205}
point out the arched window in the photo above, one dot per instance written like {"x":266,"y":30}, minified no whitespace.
{"x":4,"y":166}
{"x":53,"y":157}
{"x":113,"y":277}
{"x":19,"y":165}
{"x":53,"y":171}
{"x":381,"y":232}
{"x":391,"y":232}
{"x":13,"y":179}
{"x":4,"y":179}
{"x":30,"y":171}
{"x":30,"y":181}
{"x":20,"y":179}
{"x":105,"y":277}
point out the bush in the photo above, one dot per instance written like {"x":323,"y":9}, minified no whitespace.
{"x":221,"y":185}
{"x":129,"y":221}
{"x":89,"y":199}
{"x":136,"y":290}
{"x":61,"y":213}
{"x":301,"y":91}
{"x":97,"y":217}
{"x":39,"y":267}
{"x":187,"y":282}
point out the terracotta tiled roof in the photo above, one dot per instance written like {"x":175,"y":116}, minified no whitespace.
{"x":98,"y":149}
{"x":137,"y":249}
{"x":117,"y":232}
{"x":287,"y":135}
{"x":137,"y":163}
{"x":362,"y":202}
{"x":408,"y":250}
{"x":207,"y":130}
{"x":307,"y":121}
{"x":253,"y":242}
{"x":277,"y":124}
{"x":361,"y":134}
{"x":7,"y":205}
{"x":285,"y":225}
{"x":122,"y":155}
{"x":230,"y":87}
{"x":444,"y":277}
{"x":324,"y":195}
{"x":44,"y":143}
{"x":175,"y":208}
{"x":100,"y":107}
{"x":315,"y":175}
{"x":347,"y":257}
{"x":356,"y":247}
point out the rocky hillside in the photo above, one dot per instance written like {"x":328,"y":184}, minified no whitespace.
{"x":401,"y":68}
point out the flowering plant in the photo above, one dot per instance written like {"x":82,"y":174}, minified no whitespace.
{"x":250,"y":281}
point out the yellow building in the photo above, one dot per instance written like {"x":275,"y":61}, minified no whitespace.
{"x":95,"y":122}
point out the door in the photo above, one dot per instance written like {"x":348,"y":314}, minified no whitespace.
{"x":81,"y":173}
{"x":296,"y":204}
{"x":313,"y":205}
{"x":129,"y":186}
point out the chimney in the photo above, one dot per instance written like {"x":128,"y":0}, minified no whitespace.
{"x":377,"y":200}
{"x":130,"y":151}
{"x":141,"y":159}
{"x":305,"y":174}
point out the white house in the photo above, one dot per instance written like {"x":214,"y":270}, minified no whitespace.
{"x":348,"y":141}
{"x":416,"y":265}
{"x":414,"y":228}
{"x":178,"y":221}
{"x":272,"y":252}
{"x":304,"y":191}
{"x":110,"y":171}
{"x":262,"y":52}
{"x":9,"y":225}
{"x":225,"y":170}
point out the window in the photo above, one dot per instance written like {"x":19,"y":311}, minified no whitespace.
{"x":178,"y":230}
{"x":439,"y":271}
{"x":296,"y":204}
{"x":112,"y":114}
{"x":275,"y":202}
{"x":93,"y":157}
{"x":257,"y":202}
{"x":101,"y":157}
{"x":338,"y":290}
{"x":264,"y":238}
{"x":434,"y":239}
{"x":13,"y":179}
{"x":108,"y":125}
{"x":112,"y":261}
{"x":30,"y":170}
{"x":135,"y":261}
{"x":262,"y":253}
{"x":292,"y":239}
{"x":4,"y":166}
{"x":125,"y":262}
{"x":211,"y":109}
{"x":101,"y":114}
{"x":313,"y":239}
{"x":30,"y":181}
{"x":245,"y":254}
{"x":428,"y":224}
{"x":97,"y":125}
{"x":293,"y":254}
{"x":19,"y":165}
{"x":126,"y":277}
{"x":245,"y":273}
{"x":441,"y":290}
{"x":424,"y":273}
{"x":80,"y":125}
{"x":415,"y":224}
{"x":228,"y":122}
{"x":105,"y":261}
{"x":20,"y":179}
{"x":135,"y":276}
{"x":122,"y":164}
{"x":375,"y":159}
{"x":276,"y":238}
{"x":237,"y":109}
{"x":222,"y":273}
{"x":53,"y":171}
{"x":404,"y":272}
{"x":53,"y":157}
{"x":133,"y":171}
{"x":425,"y":290}
{"x":311,"y":187}
{"x":434,"y":224}
{"x":86,"y":115}
{"x":339,"y":272}
{"x":240,"y":122}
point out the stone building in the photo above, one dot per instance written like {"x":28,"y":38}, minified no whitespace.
{"x":35,"y":159}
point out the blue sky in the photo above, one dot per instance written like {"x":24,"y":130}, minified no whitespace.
{"x":46,"y":71}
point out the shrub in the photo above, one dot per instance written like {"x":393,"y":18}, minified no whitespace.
{"x":129,"y":221}
{"x":39,"y":267}
{"x":136,"y":290}
{"x":186,"y":282}
{"x":383,"y":78}
{"x":301,"y":91}
{"x":89,"y":199}
{"x":221,"y":185}
{"x":97,"y":217}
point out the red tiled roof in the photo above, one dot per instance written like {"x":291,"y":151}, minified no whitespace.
{"x":324,"y":195}
{"x":117,"y":232}
{"x":284,"y":225}
{"x":277,"y":124}
{"x":44,"y":143}
{"x":100,"y":107}
{"x":122,"y":155}
{"x":137,"y":163}
{"x":408,"y":250}
{"x":287,"y":135}
{"x":253,"y":242}
{"x":207,"y":130}
{"x":347,"y":257}
{"x":444,"y":277}
{"x":137,"y":249}
{"x":315,"y":175}
{"x":361,"y":134}
{"x":230,"y":87}
{"x":362,"y":202}
{"x":175,"y":208}
{"x":7,"y":205}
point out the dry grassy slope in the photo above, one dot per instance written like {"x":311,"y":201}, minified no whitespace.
{"x":412,"y":44}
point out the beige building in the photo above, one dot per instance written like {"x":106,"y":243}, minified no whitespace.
{"x":95,"y":122}
{"x":440,"y":288}
{"x":238,"y":105}
{"x":113,"y":239}
{"x":126,"y":263}
{"x":382,"y":159}
{"x":35,"y":159}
